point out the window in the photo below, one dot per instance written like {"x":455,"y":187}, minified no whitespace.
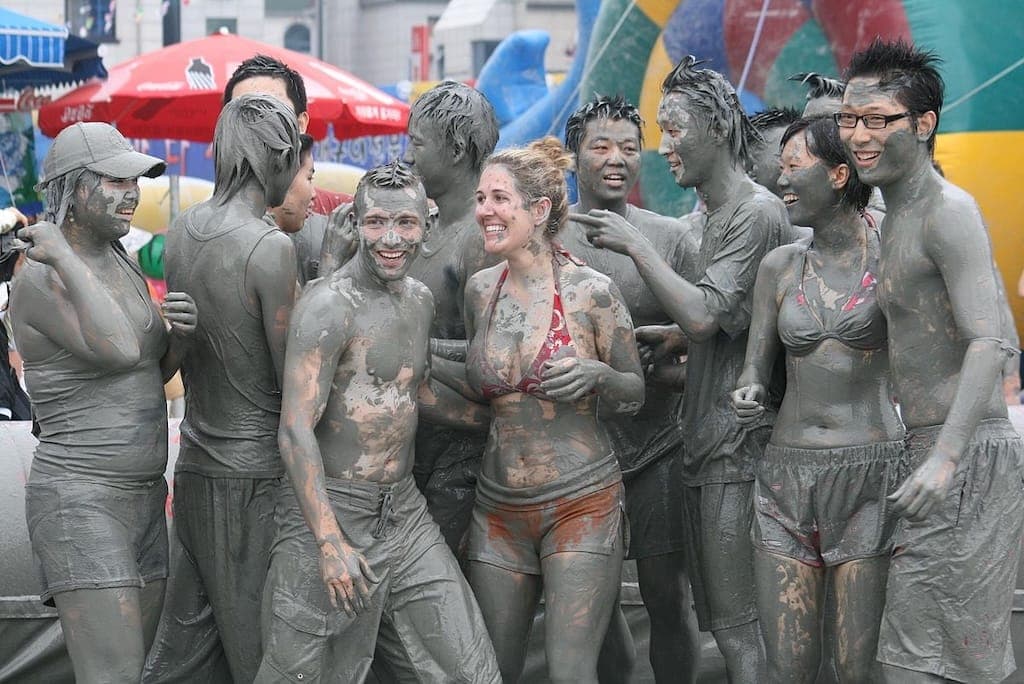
{"x":215,"y":24}
{"x":288,"y":6}
{"x":94,"y":20}
{"x":297,"y":38}
{"x":482,"y":50}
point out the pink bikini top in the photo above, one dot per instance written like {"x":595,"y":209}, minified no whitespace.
{"x":557,"y":342}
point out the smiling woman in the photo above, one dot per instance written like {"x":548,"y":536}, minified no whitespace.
{"x":549,"y":340}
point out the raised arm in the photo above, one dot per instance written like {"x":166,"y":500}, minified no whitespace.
{"x":763,"y":341}
{"x":318,"y":335}
{"x":616,"y":375}
{"x":69,"y":305}
{"x":959,"y":246}
{"x":271,"y":275}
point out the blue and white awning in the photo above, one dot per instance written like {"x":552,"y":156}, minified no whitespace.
{"x":31,"y":41}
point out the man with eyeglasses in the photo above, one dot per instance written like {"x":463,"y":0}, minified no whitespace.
{"x":951,"y":580}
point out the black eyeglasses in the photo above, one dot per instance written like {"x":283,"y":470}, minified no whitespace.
{"x":872,"y":121}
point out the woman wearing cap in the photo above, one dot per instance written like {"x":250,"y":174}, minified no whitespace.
{"x":96,"y":353}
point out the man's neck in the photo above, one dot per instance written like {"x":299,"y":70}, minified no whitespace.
{"x":918,"y":183}
{"x":84,"y":244}
{"x":457,"y":204}
{"x":366,"y":280}
{"x":588,"y":202}
{"x":726,"y":179}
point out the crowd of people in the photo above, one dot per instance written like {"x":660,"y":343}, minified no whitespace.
{"x":409,"y":421}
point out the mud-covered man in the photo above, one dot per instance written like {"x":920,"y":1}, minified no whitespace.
{"x":606,"y":136}
{"x":452,"y":130}
{"x":704,"y":139}
{"x":359,"y":565}
{"x":951,"y":579}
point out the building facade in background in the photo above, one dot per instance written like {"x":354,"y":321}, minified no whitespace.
{"x":380,"y":41}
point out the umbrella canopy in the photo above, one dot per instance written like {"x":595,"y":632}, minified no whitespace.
{"x":176,"y":93}
{"x":28,"y":40}
{"x":81,"y":63}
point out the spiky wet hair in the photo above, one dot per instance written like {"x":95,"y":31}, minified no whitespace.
{"x":601,"y":107}
{"x":392,"y":176}
{"x":774,"y":118}
{"x":909,"y":73}
{"x":819,"y":85}
{"x":710,"y":92}
{"x":463,"y":116}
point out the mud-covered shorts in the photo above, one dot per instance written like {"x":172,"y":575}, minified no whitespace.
{"x":951,"y":577}
{"x":654,"y":509}
{"x":515,"y":529}
{"x":824,"y":507}
{"x":720,"y":560}
{"x":422,"y":620}
{"x":96,"y":535}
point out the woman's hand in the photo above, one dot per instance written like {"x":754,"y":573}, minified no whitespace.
{"x":569,"y":380}
{"x":179,"y":310}
{"x":747,"y":401}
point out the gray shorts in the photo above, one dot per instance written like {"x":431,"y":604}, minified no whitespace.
{"x":721,"y":557}
{"x":951,"y":577}
{"x":421,"y":589}
{"x":824,"y":507}
{"x":654,"y":508}
{"x":96,"y":535}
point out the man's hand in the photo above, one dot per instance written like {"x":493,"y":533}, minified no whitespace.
{"x":341,"y":240}
{"x":608,"y":230}
{"x":346,"y":572}
{"x":43,"y":242}
{"x":569,"y":380}
{"x":180,"y":312}
{"x":926,"y":487}
{"x":748,"y":402}
{"x":659,"y":342}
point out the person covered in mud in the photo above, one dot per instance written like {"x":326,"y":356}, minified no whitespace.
{"x":606,"y":137}
{"x":292,"y":214}
{"x":951,"y":578}
{"x":96,"y":354}
{"x":704,"y":139}
{"x":359,"y":566}
{"x":819,"y":493}
{"x":231,"y":257}
{"x":824,"y":94}
{"x":549,"y":340}
{"x":764,"y":150}
{"x":452,"y":129}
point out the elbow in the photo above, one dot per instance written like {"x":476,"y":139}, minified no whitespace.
{"x":633,"y":399}
{"x":702,"y":331}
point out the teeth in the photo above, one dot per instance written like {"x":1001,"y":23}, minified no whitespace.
{"x":494,"y":229}
{"x":391,"y":255}
{"x":790,"y":198}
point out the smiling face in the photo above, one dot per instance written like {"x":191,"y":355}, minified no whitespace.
{"x":608,"y":161}
{"x":882,"y":156}
{"x":807,"y":185}
{"x":765,"y":160}
{"x":106,"y":208}
{"x":508,"y":222}
{"x":291,"y":215}
{"x":685,"y":140}
{"x":391,"y":223}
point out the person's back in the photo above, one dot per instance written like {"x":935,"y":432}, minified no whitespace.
{"x":234,"y":402}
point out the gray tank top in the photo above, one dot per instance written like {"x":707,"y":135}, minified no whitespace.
{"x":232,"y":398}
{"x":110,"y":426}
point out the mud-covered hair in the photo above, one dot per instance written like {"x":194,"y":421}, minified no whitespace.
{"x":305,"y":146}
{"x":819,"y":85}
{"x":710,"y":92}
{"x":263,"y":65}
{"x":463,"y":116}
{"x":538,"y":170}
{"x":823,"y":142}
{"x":256,"y":138}
{"x":392,"y":176}
{"x":59,"y":193}
{"x":601,"y":107}
{"x":774,"y":118}
{"x":909,"y":73}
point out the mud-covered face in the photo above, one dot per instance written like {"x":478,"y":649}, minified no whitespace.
{"x":298,"y":202}
{"x":391,"y":223}
{"x":765,"y":160}
{"x":806,"y":184}
{"x":685,"y":142}
{"x":880,"y":156}
{"x":608,"y":161}
{"x":508,"y":221}
{"x":107,"y":208}
{"x":427,"y":155}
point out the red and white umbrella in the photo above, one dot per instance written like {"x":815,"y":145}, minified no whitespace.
{"x":176,"y":93}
